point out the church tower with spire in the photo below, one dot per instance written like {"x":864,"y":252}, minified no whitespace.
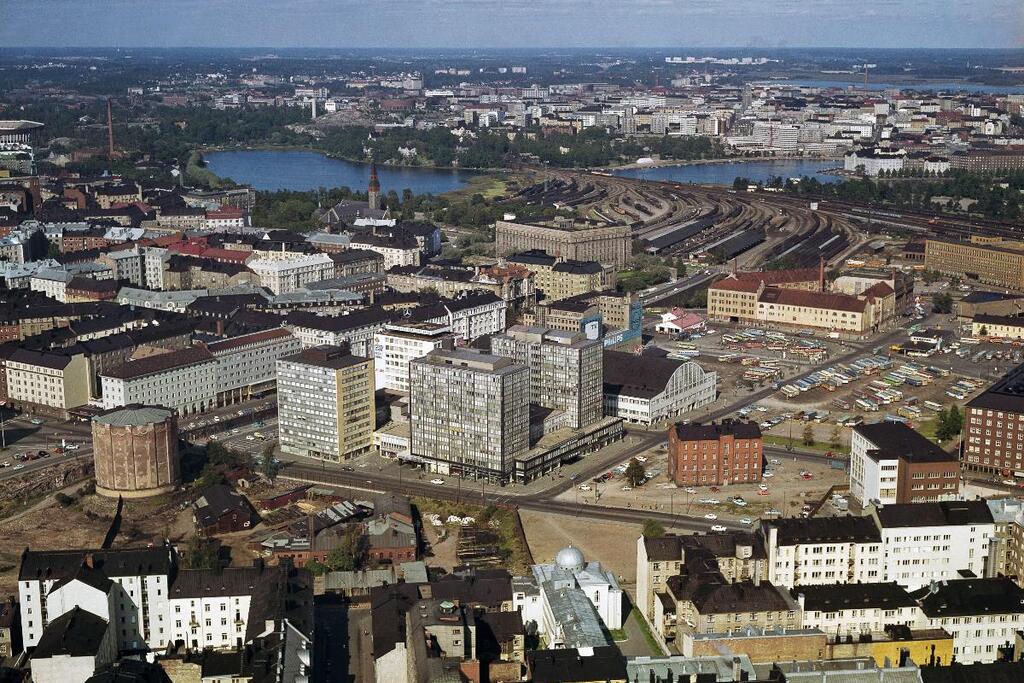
{"x":373,"y":191}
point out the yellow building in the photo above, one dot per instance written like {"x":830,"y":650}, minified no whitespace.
{"x":988,"y":260}
{"x":998,"y":326}
{"x":559,"y":278}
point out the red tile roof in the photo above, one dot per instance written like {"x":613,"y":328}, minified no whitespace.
{"x":152,"y":365}
{"x":823,"y":300}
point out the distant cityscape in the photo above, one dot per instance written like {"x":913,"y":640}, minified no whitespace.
{"x":578,"y":418}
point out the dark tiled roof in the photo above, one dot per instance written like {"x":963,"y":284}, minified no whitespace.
{"x":1007,"y":394}
{"x":849,"y":529}
{"x":944,"y":513}
{"x":844,"y":596}
{"x":997,"y":672}
{"x":998,"y":595}
{"x":64,"y":564}
{"x":570,"y":666}
{"x":163,"y":362}
{"x":898,"y":440}
{"x":665,"y":548}
{"x":45,"y":359}
{"x":218,"y":500}
{"x":76,"y":634}
{"x":643,"y":376}
{"x":713,"y":431}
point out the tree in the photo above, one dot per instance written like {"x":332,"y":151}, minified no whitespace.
{"x":653,"y":528}
{"x":316,"y":568}
{"x":200,"y":553}
{"x":270,"y":466}
{"x":808,"y":435}
{"x":834,"y":440}
{"x":942,"y":303}
{"x":983,"y":331}
{"x":351,"y":550}
{"x":636,"y":473}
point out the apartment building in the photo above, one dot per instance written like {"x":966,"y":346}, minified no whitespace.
{"x":738,"y":556}
{"x":993,"y":442}
{"x":892,"y":463}
{"x":325,"y":405}
{"x":555,"y":278}
{"x":282,"y":276}
{"x":354,"y":328}
{"x":926,"y":542}
{"x":398,"y":344}
{"x":152,"y":603}
{"x":714,"y":454}
{"x":823,"y":551}
{"x":853,"y":610}
{"x":247,"y":364}
{"x":46,"y":382}
{"x":470,"y":413}
{"x":984,"y":616}
{"x":566,"y":238}
{"x":185,"y":380}
{"x":982,"y":259}
{"x":566,"y":370}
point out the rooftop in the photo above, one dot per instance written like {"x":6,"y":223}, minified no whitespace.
{"x":899,"y":440}
{"x":848,"y":529}
{"x":163,"y":362}
{"x":133,"y":415}
{"x":714,"y":432}
{"x":847,"y":596}
{"x":944,"y":513}
{"x":325,"y":356}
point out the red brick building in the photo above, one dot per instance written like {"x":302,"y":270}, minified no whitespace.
{"x":714,"y":454}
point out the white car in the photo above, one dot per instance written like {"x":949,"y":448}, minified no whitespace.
{"x":439,"y":482}
{"x":775,"y":461}
{"x":708,"y":501}
{"x":19,"y":466}
{"x":763,"y":487}
{"x":641,"y":458}
{"x":718,"y":527}
{"x":690,"y":489}
{"x":72,"y":447}
{"x":627,"y":488}
{"x":767,"y":475}
{"x":711,"y":515}
{"x":746,"y":521}
{"x":584,"y":487}
{"x":739,"y":501}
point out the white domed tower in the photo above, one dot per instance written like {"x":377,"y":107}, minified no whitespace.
{"x":570,"y":559}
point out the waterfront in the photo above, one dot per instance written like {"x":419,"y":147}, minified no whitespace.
{"x":724,"y":173}
{"x":276,"y":169}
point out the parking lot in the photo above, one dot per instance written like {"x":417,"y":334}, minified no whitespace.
{"x":32,"y":443}
{"x":789,"y":484}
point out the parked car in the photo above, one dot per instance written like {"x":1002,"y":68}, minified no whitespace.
{"x":719,"y":528}
{"x":711,"y":515}
{"x":439,"y":482}
{"x":746,"y":521}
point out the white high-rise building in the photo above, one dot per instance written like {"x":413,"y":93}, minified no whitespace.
{"x":398,"y":344}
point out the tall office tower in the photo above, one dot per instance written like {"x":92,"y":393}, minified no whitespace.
{"x":566,"y":370}
{"x":470,"y":413}
{"x":325,"y":407}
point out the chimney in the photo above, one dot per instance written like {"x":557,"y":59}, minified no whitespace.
{"x":737,"y":670}
{"x":88,"y":560}
{"x":110,"y":129}
{"x":821,"y":274}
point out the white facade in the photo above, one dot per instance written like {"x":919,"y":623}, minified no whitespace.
{"x":854,"y":620}
{"x":690,"y":387}
{"x":281,"y":276}
{"x":871,"y":479}
{"x":918,"y":555}
{"x":473,"y":321}
{"x":393,"y":256}
{"x":190,"y":388}
{"x":396,"y":345}
{"x":571,"y":573}
{"x":808,"y":564}
{"x":216,"y":621}
{"x":250,"y":360}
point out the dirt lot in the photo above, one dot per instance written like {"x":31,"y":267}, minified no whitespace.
{"x":613,"y":544}
{"x":83,"y":524}
{"x":787,"y":490}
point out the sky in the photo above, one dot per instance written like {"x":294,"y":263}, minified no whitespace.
{"x":512,"y":23}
